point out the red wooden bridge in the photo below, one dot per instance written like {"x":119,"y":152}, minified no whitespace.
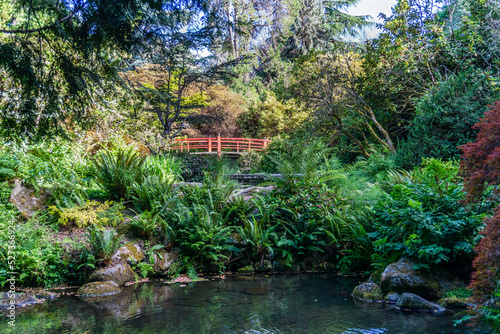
{"x":232,"y":146}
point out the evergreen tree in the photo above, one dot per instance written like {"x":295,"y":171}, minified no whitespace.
{"x":57,"y":56}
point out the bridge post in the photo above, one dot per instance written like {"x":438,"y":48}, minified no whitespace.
{"x":219,"y":151}
{"x":209,"y":144}
{"x":249,"y":144}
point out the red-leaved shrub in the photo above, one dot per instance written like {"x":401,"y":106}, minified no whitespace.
{"x":481,"y":159}
{"x":487,"y":262}
{"x":481,"y":167}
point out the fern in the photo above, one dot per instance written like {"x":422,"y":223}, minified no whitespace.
{"x":8,"y":167}
{"x":151,"y":226}
{"x":152,"y":192}
{"x":116,"y":172}
{"x":203,"y":237}
{"x":167,"y":168}
{"x":104,"y":242}
{"x":308,"y":167}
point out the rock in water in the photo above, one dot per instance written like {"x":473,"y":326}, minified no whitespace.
{"x":131,"y":253}
{"x":163,"y":260}
{"x":369,"y":292}
{"x":392,"y":297}
{"x":98,"y":289}
{"x":26,"y":201}
{"x":118,"y":273}
{"x":410,"y":301}
{"x":401,"y":277}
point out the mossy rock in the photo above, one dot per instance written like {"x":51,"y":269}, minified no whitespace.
{"x":130,"y":252}
{"x":118,"y":273}
{"x":25,"y":199}
{"x":98,"y":289}
{"x":246,"y":270}
{"x":410,"y":301}
{"x":369,"y":292}
{"x":392,"y":297}
{"x":401,"y":277}
{"x":454,"y":302}
{"x":265,"y":266}
{"x":163,"y":260}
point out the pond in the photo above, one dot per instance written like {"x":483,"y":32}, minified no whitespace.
{"x":300,"y":303}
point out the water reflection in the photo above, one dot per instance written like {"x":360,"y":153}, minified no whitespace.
{"x":257,"y":304}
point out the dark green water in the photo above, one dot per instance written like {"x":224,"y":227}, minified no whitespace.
{"x":276,"y":304}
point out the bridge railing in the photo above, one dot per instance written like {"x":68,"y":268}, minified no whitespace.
{"x":219,"y":144}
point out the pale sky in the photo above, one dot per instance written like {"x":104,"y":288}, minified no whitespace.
{"x":373,"y":8}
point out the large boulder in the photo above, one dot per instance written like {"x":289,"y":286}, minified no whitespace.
{"x":118,"y":273}
{"x":130,"y":252}
{"x":369,"y":292}
{"x":98,"y":289}
{"x":25,"y":199}
{"x":410,"y":301}
{"x":163,"y":260}
{"x":401,"y":277}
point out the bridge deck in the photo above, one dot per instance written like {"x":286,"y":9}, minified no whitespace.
{"x":219,"y":146}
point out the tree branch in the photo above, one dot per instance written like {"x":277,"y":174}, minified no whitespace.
{"x":30,"y":31}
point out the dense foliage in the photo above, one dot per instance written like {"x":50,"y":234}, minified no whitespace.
{"x":480,"y":167}
{"x":423,"y":218}
{"x":481,"y":158}
{"x":445,"y":117}
{"x":365,"y":137}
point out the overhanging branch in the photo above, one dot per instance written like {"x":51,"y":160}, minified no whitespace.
{"x":30,"y":31}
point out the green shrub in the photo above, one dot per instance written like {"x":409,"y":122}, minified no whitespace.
{"x":66,"y":191}
{"x":60,"y":166}
{"x":258,"y":236}
{"x":216,"y":191}
{"x":151,"y":226}
{"x":203,"y":238}
{"x":40,"y":260}
{"x":194,"y":166}
{"x":249,"y":161}
{"x":167,"y":168}
{"x":8,"y":166}
{"x":271,"y":117}
{"x":289,"y":149}
{"x":237,"y":210}
{"x":92,"y":213}
{"x":445,"y":116}
{"x":104,"y":243}
{"x":44,"y":162}
{"x":116,"y":171}
{"x":152,"y":192}
{"x":422,"y":217}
